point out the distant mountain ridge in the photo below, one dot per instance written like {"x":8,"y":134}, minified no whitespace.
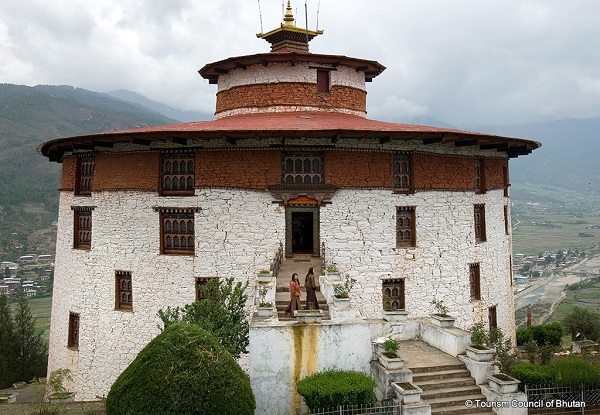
{"x":177,"y":114}
{"x":30,"y":116}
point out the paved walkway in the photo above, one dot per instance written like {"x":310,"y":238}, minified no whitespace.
{"x":417,"y":353}
{"x":26,"y":394}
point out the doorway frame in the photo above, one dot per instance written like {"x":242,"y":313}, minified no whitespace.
{"x":289,"y":210}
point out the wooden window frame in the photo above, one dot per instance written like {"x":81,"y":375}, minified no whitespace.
{"x":480,"y":186}
{"x":493,"y":317}
{"x":73,"y":336}
{"x":479,"y":222}
{"x":505,"y":180}
{"x":323,"y":81}
{"x":169,"y":232}
{"x":402,"y":213}
{"x":302,"y":168}
{"x":84,"y":175}
{"x":200,"y":282}
{"x":403,"y":169}
{"x":398,"y":302}
{"x":475,"y":281}
{"x":123,"y":291}
{"x":82,"y":227}
{"x":506,"y":222}
{"x":171,"y":164}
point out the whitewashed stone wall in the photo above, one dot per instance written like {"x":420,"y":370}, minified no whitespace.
{"x":285,"y":72}
{"x":231,"y":241}
{"x":237,"y":234}
{"x":358,"y":229}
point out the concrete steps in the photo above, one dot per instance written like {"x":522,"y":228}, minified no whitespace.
{"x":447,"y":387}
{"x":299,"y":264}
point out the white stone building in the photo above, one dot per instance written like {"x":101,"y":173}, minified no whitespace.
{"x":146,"y":215}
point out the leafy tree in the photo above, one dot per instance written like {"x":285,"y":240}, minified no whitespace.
{"x":184,"y":370}
{"x":7,"y":344}
{"x":31,"y":353}
{"x":584,"y":322}
{"x":221,"y":313}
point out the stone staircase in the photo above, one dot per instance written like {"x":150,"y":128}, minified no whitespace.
{"x":299,"y":264}
{"x":447,"y":388}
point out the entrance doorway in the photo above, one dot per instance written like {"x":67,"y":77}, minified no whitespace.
{"x":302,"y":231}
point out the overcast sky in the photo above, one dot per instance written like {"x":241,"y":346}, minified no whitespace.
{"x":465,"y":62}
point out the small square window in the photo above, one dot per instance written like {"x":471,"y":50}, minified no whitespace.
{"x":177,"y":174}
{"x":73,"y":339}
{"x":403,"y":167}
{"x":479,"y":217}
{"x":405,"y":227}
{"x":177,"y":231}
{"x":393,"y":294}
{"x":322,"y":82}
{"x":82,"y":232}
{"x":84,"y":175}
{"x":474,"y":281}
{"x":123,"y":291}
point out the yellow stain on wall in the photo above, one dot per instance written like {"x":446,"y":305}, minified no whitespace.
{"x":305,"y":355}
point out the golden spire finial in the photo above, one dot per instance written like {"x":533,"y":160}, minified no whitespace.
{"x":289,"y":16}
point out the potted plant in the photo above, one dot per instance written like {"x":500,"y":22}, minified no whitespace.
{"x":389,"y":358}
{"x":341,"y":297}
{"x":503,"y":383}
{"x":441,"y":317}
{"x":8,"y":397}
{"x":479,"y":349}
{"x":264,"y":275}
{"x":57,"y":389}
{"x":265,"y":308}
{"x":407,"y":392}
{"x":308,"y":315}
{"x":332,"y":272}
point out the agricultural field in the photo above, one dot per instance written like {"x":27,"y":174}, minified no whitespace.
{"x":584,"y":296}
{"x":40,"y":309}
{"x":548,"y":219}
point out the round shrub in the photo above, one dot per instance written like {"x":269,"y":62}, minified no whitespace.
{"x":334,"y":388}
{"x":184,"y":370}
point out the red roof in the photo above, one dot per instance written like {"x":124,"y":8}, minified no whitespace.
{"x":292,"y":124}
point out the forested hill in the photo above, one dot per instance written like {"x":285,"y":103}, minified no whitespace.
{"x":28,"y":182}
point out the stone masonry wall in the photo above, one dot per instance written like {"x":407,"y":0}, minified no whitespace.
{"x":69,"y":172}
{"x":358,"y":169}
{"x":237,"y":233}
{"x":286,"y":73}
{"x":358,"y":229}
{"x":290,"y":94}
{"x":127,"y":171}
{"x":494,"y":176}
{"x":443,"y":172}
{"x":247,"y":169}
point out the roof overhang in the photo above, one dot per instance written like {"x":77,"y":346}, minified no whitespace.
{"x":287,"y":127}
{"x":212,"y":71}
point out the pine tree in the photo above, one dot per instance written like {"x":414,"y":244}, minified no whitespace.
{"x":7,"y":344}
{"x":31,"y":354}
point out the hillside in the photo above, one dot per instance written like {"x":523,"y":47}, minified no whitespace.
{"x":28,"y":182}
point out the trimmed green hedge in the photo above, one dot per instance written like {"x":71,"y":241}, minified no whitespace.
{"x":570,"y":371}
{"x":334,"y":388}
{"x":184,"y":370}
{"x":542,"y":334}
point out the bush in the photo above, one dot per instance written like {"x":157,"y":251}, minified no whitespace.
{"x":574,"y":371}
{"x":530,"y":374}
{"x":221,"y":313}
{"x":583,"y":321}
{"x":334,"y":388}
{"x":184,"y":370}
